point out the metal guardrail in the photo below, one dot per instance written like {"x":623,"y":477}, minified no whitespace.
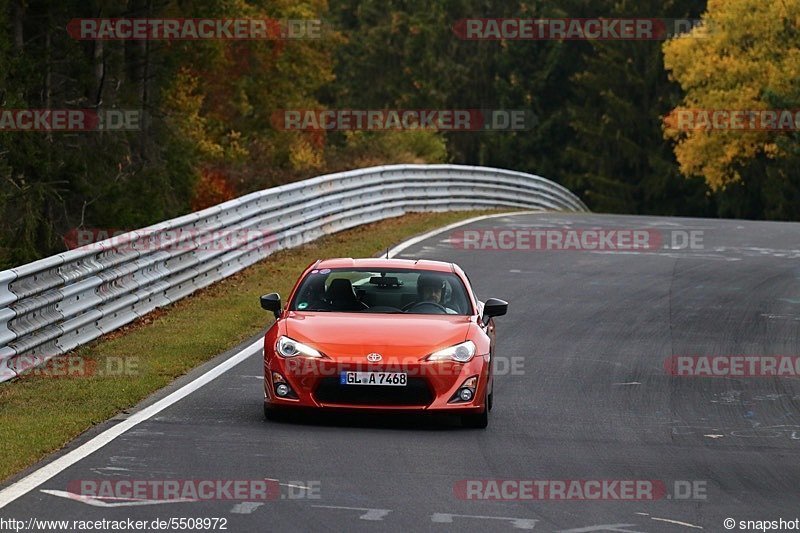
{"x":53,"y":305}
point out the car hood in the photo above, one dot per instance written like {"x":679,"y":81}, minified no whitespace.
{"x":344,"y":335}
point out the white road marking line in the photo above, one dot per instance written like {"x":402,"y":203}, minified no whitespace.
{"x":288,"y":484}
{"x":411,"y":242}
{"x":246,"y":507}
{"x":602,"y":527}
{"x":676,"y":522}
{"x":370,"y":514}
{"x":518,"y":523}
{"x":36,"y":478}
{"x":94,"y":502}
{"x":108,"y":470}
{"x":670,"y":255}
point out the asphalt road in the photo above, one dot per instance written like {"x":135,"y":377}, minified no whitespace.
{"x":588,"y":399}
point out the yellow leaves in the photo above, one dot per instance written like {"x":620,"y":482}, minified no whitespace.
{"x":303,"y":156}
{"x":771,"y":150}
{"x":749,"y":59}
{"x":183,"y":106}
{"x":390,"y":147}
{"x":234,"y":149}
{"x":222,"y":101}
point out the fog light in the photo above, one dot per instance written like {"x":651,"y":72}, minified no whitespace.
{"x":282,"y":390}
{"x":466,"y":392}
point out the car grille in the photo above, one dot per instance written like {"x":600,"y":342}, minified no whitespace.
{"x":416,"y":392}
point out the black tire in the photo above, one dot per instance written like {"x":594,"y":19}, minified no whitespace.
{"x":490,"y":400}
{"x":270,"y":414}
{"x":478,"y":421}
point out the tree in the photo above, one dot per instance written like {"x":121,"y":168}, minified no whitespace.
{"x":745,"y":56}
{"x":617,"y":157}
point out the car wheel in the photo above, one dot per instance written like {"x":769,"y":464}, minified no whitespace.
{"x":478,"y":421}
{"x":270,"y":414}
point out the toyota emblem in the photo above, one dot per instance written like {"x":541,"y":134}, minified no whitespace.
{"x":374,"y":357}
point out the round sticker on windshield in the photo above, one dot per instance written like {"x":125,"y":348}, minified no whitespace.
{"x":302,"y":305}
{"x":314,"y":271}
{"x":324,"y":270}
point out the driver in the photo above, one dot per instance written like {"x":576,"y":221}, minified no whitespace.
{"x":431,"y":288}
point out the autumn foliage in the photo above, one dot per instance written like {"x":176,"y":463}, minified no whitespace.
{"x":745,"y":56}
{"x":211,"y":189}
{"x":599,"y":107}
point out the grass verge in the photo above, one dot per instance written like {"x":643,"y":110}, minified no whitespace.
{"x":43,"y":411}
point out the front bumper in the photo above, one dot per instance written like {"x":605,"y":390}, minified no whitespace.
{"x":430,"y":387}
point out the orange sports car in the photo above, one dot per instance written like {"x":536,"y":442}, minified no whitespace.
{"x":381,"y":334}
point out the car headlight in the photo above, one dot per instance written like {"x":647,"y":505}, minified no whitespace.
{"x":460,"y":353}
{"x":287,"y":347}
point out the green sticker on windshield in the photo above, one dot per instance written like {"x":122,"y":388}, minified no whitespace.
{"x":302,"y":305}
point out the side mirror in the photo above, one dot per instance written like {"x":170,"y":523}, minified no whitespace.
{"x":272,"y":302}
{"x":493,"y":307}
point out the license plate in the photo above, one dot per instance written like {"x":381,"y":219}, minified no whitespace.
{"x":389,"y":379}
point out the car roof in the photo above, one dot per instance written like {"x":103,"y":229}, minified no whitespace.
{"x":376,"y":262}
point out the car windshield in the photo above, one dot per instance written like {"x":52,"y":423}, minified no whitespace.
{"x":382,"y":291}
